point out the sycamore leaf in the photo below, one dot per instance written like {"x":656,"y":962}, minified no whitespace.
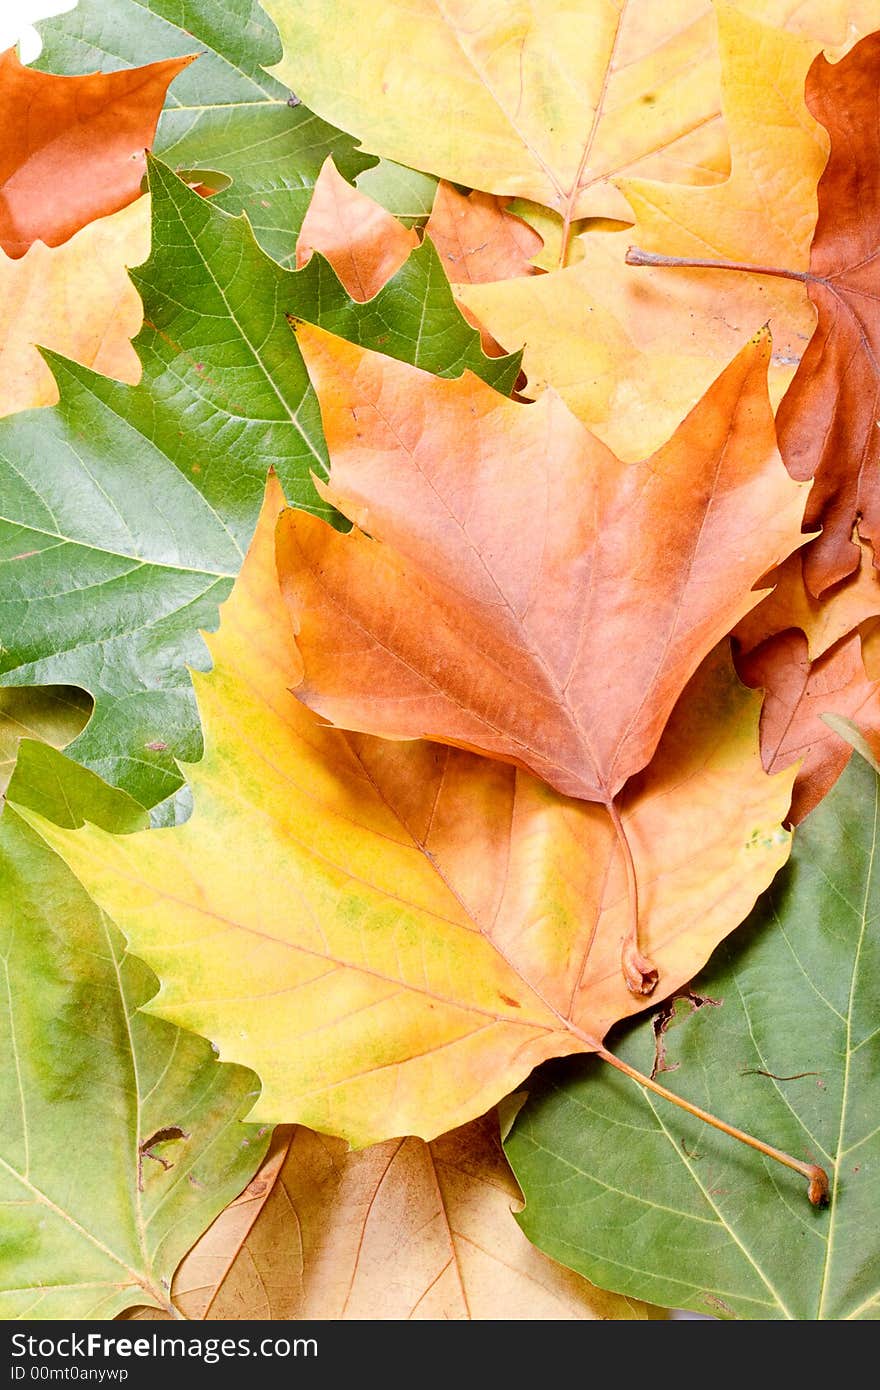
{"x":420,"y":925}
{"x":75,"y":299}
{"x":126,"y":510}
{"x":478,"y":240}
{"x":798,"y":693}
{"x":72,"y":148}
{"x":121,"y":1135}
{"x":225,"y":113}
{"x":52,"y":713}
{"x":828,"y":419}
{"x":546,"y":102}
{"x":632,"y":349}
{"x":824,"y":621}
{"x":566,"y":651}
{"x":362,"y":241}
{"x":400,"y":1231}
{"x":785,"y":1041}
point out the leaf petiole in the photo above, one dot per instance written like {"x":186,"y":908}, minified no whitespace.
{"x":636,"y":256}
{"x":816,"y":1176}
{"x":640,"y":973}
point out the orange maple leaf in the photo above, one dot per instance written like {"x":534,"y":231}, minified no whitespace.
{"x":513,"y":588}
{"x":73,"y":148}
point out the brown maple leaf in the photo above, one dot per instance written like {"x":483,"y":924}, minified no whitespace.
{"x":72,"y":148}
{"x":513,"y":588}
{"x":478,"y":240}
{"x":798,"y":693}
{"x":828,"y":419}
{"x":823,"y":621}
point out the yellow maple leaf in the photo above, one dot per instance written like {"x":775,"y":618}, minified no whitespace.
{"x":547,"y":101}
{"x":631,"y":349}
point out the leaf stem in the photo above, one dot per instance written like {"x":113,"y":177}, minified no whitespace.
{"x":816,"y":1176}
{"x":640,"y":973}
{"x":566,"y":235}
{"x":636,"y":256}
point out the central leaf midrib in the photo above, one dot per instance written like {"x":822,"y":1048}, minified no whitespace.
{"x":290,"y":411}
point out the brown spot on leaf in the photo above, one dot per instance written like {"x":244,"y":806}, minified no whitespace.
{"x":145,"y":1149}
{"x":715,"y":1302}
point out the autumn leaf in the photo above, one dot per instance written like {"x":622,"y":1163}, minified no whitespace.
{"x":400,"y":1231}
{"x":417,"y":960}
{"x":126,"y":510}
{"x":121,"y":1134}
{"x":828,"y":419}
{"x":787,"y":1038}
{"x":74,"y":299}
{"x":225,"y":113}
{"x":362,"y":241}
{"x":564,"y":653}
{"x":478,"y":240}
{"x":73,"y":147}
{"x":798,"y":693}
{"x":475,"y":653}
{"x":546,"y":103}
{"x":851,"y":602}
{"x":632,"y":349}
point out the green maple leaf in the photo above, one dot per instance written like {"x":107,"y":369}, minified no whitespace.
{"x":780,"y":1037}
{"x":120,"y":1135}
{"x":125,"y":511}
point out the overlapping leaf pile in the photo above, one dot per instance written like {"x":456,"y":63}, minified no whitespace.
{"x":457,"y":607}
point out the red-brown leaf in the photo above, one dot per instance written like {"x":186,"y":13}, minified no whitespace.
{"x":798,"y":693}
{"x":828,"y":418}
{"x":362,"y":241}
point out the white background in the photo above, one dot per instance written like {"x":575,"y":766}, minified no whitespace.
{"x":17,"y":18}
